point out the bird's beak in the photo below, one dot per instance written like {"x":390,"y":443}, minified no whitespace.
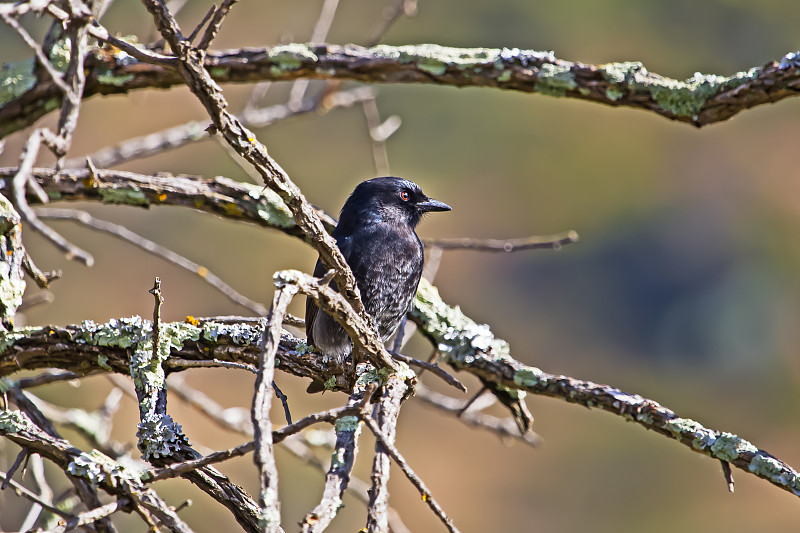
{"x":432,"y":205}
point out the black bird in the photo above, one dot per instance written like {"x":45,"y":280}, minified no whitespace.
{"x":376,"y":236}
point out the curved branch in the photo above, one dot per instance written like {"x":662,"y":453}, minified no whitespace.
{"x":219,"y":196}
{"x":700,"y":100}
{"x":472,"y":347}
{"x":467,"y":346}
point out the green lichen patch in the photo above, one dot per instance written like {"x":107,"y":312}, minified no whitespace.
{"x":291,"y":56}
{"x":218,"y":72}
{"x":14,"y":422}
{"x":123,"y":195}
{"x":96,"y":467}
{"x":160,"y":436}
{"x":347,"y":423}
{"x":686,"y":427}
{"x":268,"y":204}
{"x":8,"y":338}
{"x":116,"y":333}
{"x":768,"y":467}
{"x":436,"y":59}
{"x":528,"y":377}
{"x":107,"y":77}
{"x":681,"y":98}
{"x":59,"y":54}
{"x":15,"y":80}
{"x":728,"y":447}
{"x":459,"y":337}
{"x":555,"y":80}
{"x":243,"y":334}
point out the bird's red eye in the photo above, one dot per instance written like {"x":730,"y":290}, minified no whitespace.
{"x":404,"y":196}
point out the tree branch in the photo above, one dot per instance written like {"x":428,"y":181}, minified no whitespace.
{"x":700,"y":100}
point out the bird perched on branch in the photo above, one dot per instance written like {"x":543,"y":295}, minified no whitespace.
{"x":376,"y":236}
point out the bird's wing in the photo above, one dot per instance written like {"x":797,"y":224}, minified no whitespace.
{"x":319,"y":271}
{"x":311,"y":306}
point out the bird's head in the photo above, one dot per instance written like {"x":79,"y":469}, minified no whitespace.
{"x":388,"y":199}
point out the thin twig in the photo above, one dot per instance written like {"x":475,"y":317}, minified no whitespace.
{"x":194,"y":131}
{"x":215,"y":24}
{"x":159,"y":300}
{"x":394,"y":392}
{"x":378,"y":133}
{"x":45,"y":492}
{"x":55,"y":75}
{"x":401,"y":7}
{"x":29,"y":495}
{"x":434,"y":368}
{"x":202,"y":23}
{"x":177,"y":362}
{"x":319,"y":35}
{"x":91,"y":516}
{"x":269,"y":517}
{"x":503,"y":427}
{"x":338,"y":476}
{"x":548,"y":242}
{"x":153,"y":248}
{"x":393,"y":452}
{"x":21,"y":457}
{"x":177,"y":469}
{"x":472,"y":400}
{"x":48,"y":376}
{"x":726,"y":471}
{"x":284,"y":402}
{"x":18,"y":184}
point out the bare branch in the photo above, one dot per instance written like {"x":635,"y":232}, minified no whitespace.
{"x":504,"y":427}
{"x":18,"y":184}
{"x":386,"y":442}
{"x":434,"y":368}
{"x":345,"y":450}
{"x":91,"y":516}
{"x":155,"y":249}
{"x":28,"y":495}
{"x":269,"y":515}
{"x":215,"y":24}
{"x":394,"y":392}
{"x":550,"y":242}
{"x":193,"y":131}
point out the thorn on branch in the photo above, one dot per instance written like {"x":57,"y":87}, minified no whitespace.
{"x":21,"y":456}
{"x":726,"y":471}
{"x":434,"y":368}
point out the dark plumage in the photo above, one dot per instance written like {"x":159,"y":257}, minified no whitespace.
{"x":376,"y":236}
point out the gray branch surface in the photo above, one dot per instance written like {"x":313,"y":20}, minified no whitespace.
{"x":465,"y":345}
{"x":701,"y":100}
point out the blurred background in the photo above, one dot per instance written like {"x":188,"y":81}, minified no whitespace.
{"x":684,"y":288}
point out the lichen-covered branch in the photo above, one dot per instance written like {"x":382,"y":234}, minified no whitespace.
{"x":12,"y":256}
{"x":92,"y":347}
{"x":472,"y":347}
{"x":701,"y":100}
{"x":219,"y":196}
{"x":94,"y":467}
{"x":465,"y":345}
